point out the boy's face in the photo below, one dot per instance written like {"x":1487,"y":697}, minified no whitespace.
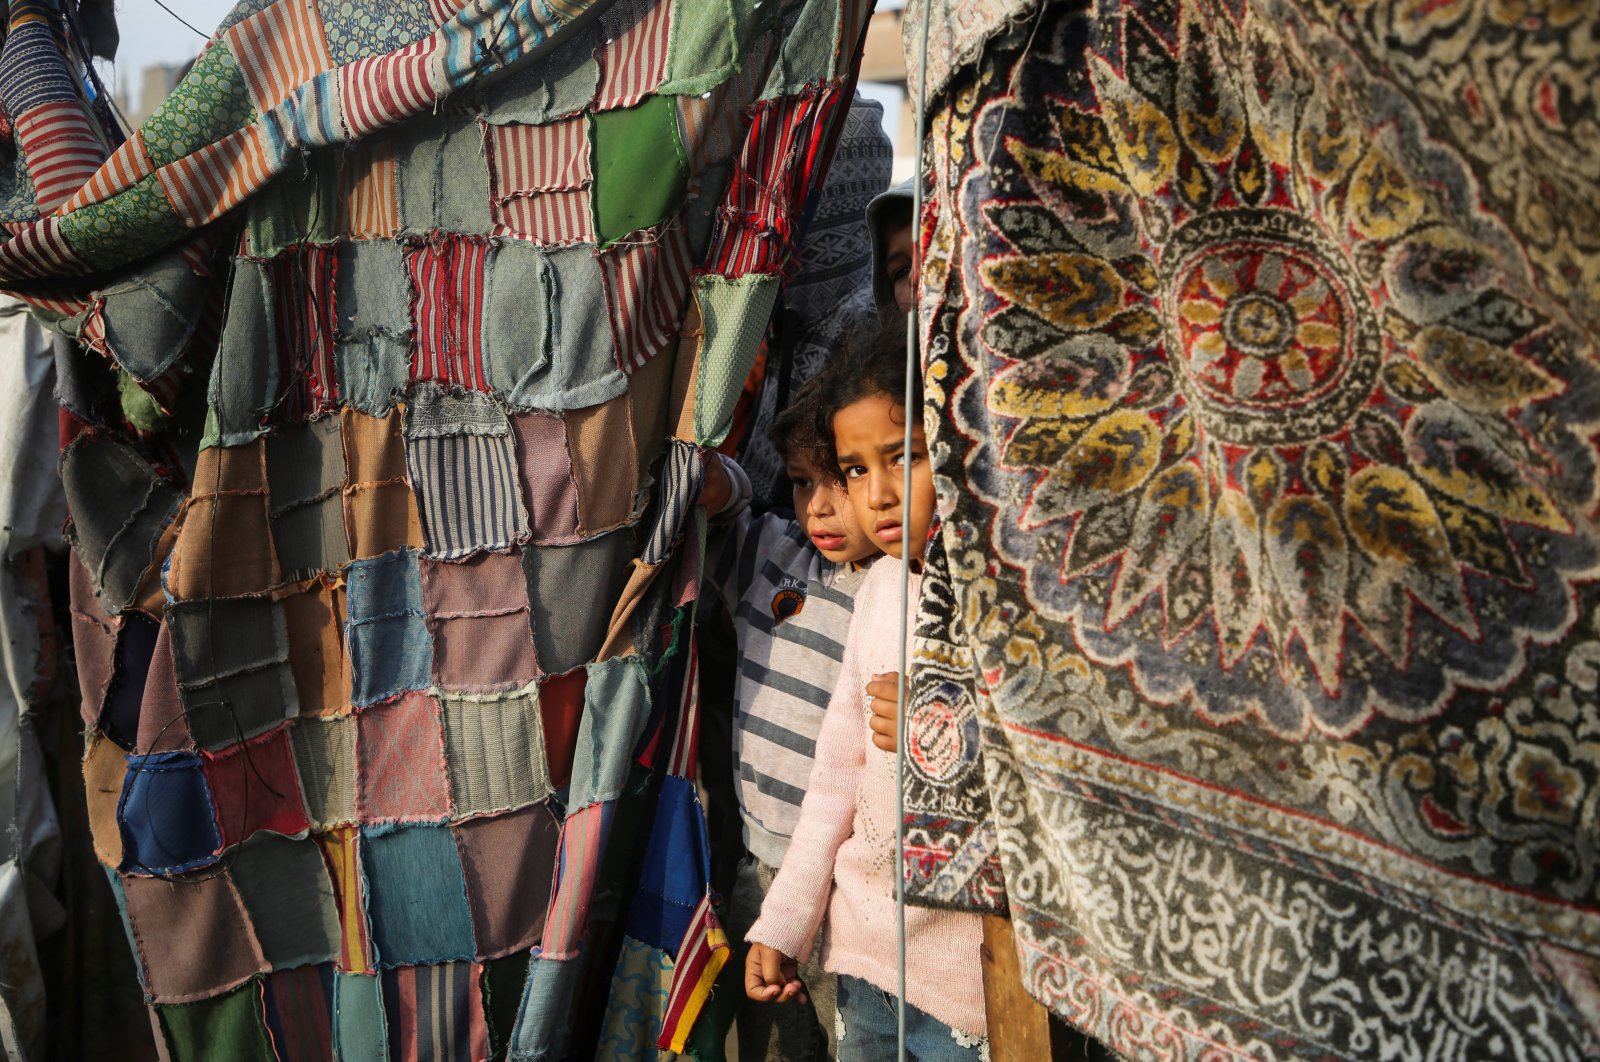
{"x":869,"y":435}
{"x":823,"y":510}
{"x":897,"y":264}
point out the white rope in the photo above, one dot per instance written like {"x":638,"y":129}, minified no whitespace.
{"x":913,"y":367}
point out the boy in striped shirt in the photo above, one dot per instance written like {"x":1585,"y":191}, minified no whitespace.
{"x":790,"y":585}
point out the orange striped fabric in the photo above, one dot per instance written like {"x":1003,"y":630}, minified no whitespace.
{"x":127,"y":166}
{"x":368,"y":196}
{"x":210,"y":182}
{"x":278,"y":49}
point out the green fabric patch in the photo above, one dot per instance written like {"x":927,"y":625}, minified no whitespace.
{"x":210,"y":102}
{"x":809,"y":41}
{"x":555,"y":87}
{"x":244,"y":377}
{"x":228,"y":1026}
{"x":357,"y":29}
{"x":300,"y":205}
{"x":131,"y":224}
{"x":708,"y":42}
{"x":502,"y":998}
{"x":359,"y":1031}
{"x":736,"y":312}
{"x":640,"y":175}
{"x":142,"y":410}
{"x":372,"y":334}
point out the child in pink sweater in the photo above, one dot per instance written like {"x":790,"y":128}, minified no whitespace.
{"x":844,"y":855}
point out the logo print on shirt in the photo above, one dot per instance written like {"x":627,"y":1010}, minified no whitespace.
{"x":789,"y":600}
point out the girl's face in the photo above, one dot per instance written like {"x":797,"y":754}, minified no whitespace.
{"x":869,"y":435}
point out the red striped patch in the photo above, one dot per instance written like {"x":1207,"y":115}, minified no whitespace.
{"x":61,"y":149}
{"x":38,"y":249}
{"x":647,"y":283}
{"x":382,"y":90}
{"x":303,"y":311}
{"x":633,"y":60}
{"x":447,"y":313}
{"x":539,"y":181}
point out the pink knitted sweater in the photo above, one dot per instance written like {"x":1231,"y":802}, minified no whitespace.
{"x":841,"y":860}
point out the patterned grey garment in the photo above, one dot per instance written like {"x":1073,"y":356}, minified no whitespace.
{"x":831,"y":291}
{"x":791,"y":610}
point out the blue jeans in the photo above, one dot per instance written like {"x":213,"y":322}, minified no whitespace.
{"x":868,"y":1029}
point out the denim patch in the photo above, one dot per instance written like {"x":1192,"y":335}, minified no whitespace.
{"x":136,"y":643}
{"x":443,"y":177}
{"x":390,"y":650}
{"x":372,"y":330}
{"x":166,"y":816}
{"x":496,"y":752}
{"x":119,"y":507}
{"x":359,"y":1030}
{"x":596,"y":571}
{"x":231,"y":659}
{"x":582,"y":369}
{"x":560,"y":84}
{"x":306,"y":476}
{"x":299,"y":206}
{"x":616,"y":707}
{"x":809,"y":37}
{"x":290,"y":899}
{"x":150,"y":317}
{"x":673,"y":874}
{"x":520,"y":319}
{"x":416,"y":895}
{"x":244,"y":377}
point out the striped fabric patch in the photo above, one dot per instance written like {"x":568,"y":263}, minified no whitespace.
{"x":303,"y":309}
{"x":32,"y":70}
{"x":679,"y":485}
{"x":435,"y":1013}
{"x":646,"y":285}
{"x":41,"y":250}
{"x":583,"y":838}
{"x":539,"y":181}
{"x":447,"y":329}
{"x":61,"y":149}
{"x":127,"y":166}
{"x":341,"y":853}
{"x":466,"y":488}
{"x":207,"y":184}
{"x":633,"y":60}
{"x":278,"y":49}
{"x":382,"y":90}
{"x":368,"y":190}
{"x":299,"y":1007}
{"x":541,"y":158}
{"x":781,"y":151}
{"x":700,"y":959}
{"x":444,"y":10}
{"x":711,"y":125}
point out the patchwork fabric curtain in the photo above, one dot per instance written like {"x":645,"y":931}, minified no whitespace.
{"x":403,"y":324}
{"x":1261,"y":336}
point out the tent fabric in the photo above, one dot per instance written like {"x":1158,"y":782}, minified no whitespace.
{"x":381,"y":317}
{"x":1262,"y":361}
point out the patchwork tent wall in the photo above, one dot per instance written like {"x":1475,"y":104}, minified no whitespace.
{"x":404,"y":323}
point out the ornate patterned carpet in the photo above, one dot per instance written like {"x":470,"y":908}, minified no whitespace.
{"x":1262,"y":340}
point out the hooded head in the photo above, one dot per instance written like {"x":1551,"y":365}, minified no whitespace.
{"x":888,"y":211}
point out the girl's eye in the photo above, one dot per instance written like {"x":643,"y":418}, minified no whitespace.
{"x":854,"y":472}
{"x":801,"y":484}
